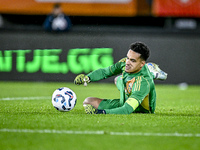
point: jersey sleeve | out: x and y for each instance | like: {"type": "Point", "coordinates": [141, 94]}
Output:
{"type": "Point", "coordinates": [125, 109]}
{"type": "Point", "coordinates": [129, 106]}
{"type": "Point", "coordinates": [104, 73]}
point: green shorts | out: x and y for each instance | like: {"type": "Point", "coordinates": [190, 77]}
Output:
{"type": "Point", "coordinates": [114, 103]}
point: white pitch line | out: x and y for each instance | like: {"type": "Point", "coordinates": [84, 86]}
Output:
{"type": "Point", "coordinates": [102, 133]}
{"type": "Point", "coordinates": [24, 98]}
{"type": "Point", "coordinates": [156, 134]}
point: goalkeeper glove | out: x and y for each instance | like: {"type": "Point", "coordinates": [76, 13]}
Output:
{"type": "Point", "coordinates": [89, 109]}
{"type": "Point", "coordinates": [82, 79]}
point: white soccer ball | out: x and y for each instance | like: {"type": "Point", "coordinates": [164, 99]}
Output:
{"type": "Point", "coordinates": [64, 99]}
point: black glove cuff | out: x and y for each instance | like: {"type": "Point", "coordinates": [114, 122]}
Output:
{"type": "Point", "coordinates": [101, 112]}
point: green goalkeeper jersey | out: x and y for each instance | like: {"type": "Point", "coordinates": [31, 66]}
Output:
{"type": "Point", "coordinates": [136, 89]}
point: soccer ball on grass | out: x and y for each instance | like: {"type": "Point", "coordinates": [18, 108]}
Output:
{"type": "Point", "coordinates": [64, 99]}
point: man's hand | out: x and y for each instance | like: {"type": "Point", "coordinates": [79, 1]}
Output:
{"type": "Point", "coordinates": [89, 109]}
{"type": "Point", "coordinates": [82, 79]}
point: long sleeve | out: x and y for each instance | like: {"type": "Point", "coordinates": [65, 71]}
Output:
{"type": "Point", "coordinates": [128, 107]}
{"type": "Point", "coordinates": [104, 73]}
{"type": "Point", "coordinates": [125, 109]}
{"type": "Point", "coordinates": [100, 74]}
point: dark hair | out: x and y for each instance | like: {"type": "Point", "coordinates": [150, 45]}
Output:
{"type": "Point", "coordinates": [142, 49]}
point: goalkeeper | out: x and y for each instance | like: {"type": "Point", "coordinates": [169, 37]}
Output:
{"type": "Point", "coordinates": [136, 85]}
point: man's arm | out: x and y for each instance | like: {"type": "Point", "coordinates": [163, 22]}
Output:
{"type": "Point", "coordinates": [129, 106]}
{"type": "Point", "coordinates": [102, 73]}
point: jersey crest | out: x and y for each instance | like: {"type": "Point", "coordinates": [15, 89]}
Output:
{"type": "Point", "coordinates": [129, 85]}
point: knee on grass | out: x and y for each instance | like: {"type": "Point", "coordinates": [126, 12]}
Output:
{"type": "Point", "coordinates": [92, 101]}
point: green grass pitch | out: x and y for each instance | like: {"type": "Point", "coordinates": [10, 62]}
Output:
{"type": "Point", "coordinates": [28, 121]}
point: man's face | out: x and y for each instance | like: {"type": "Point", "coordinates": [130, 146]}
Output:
{"type": "Point", "coordinates": [133, 62]}
{"type": "Point", "coordinates": [57, 11]}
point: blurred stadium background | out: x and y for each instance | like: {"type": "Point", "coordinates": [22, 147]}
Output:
{"type": "Point", "coordinates": [101, 34]}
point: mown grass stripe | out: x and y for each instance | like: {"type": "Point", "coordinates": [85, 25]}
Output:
{"type": "Point", "coordinates": [102, 133]}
